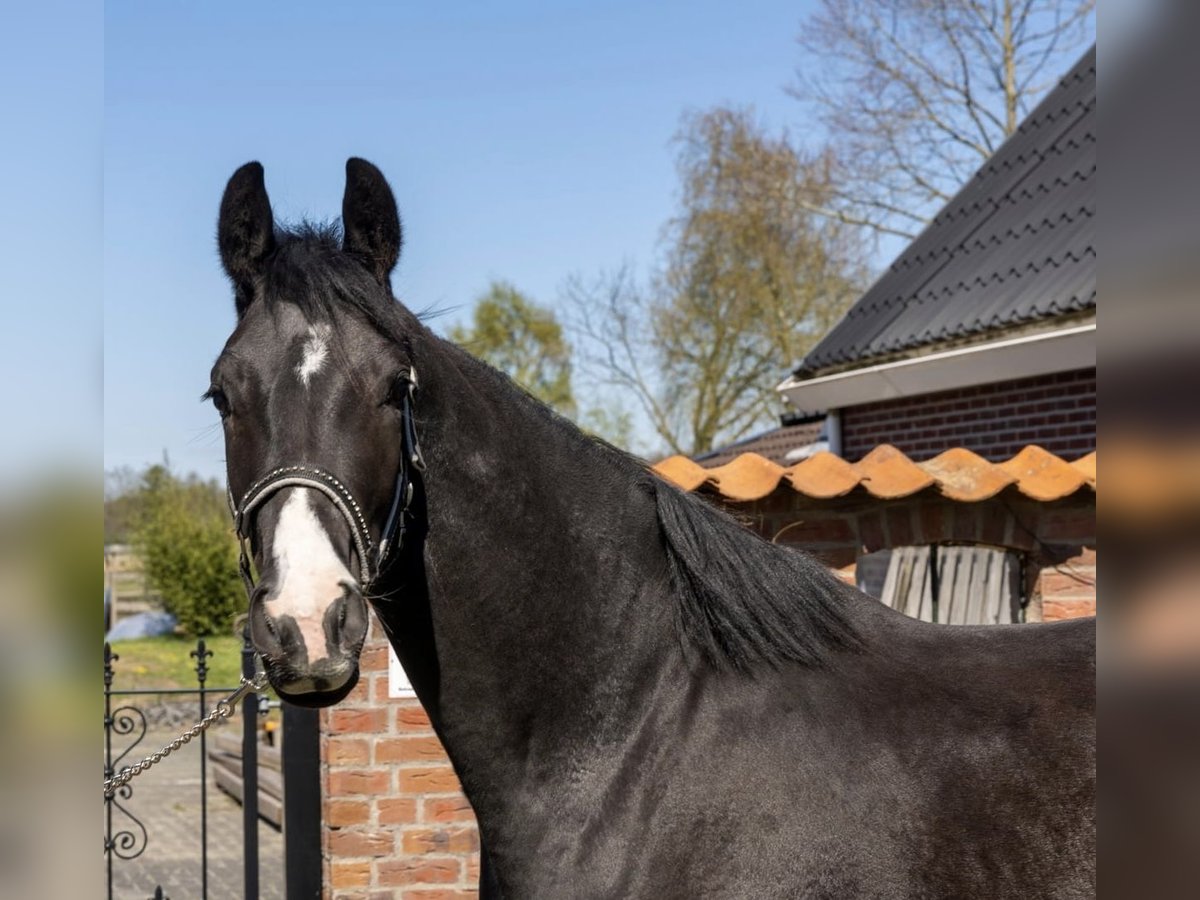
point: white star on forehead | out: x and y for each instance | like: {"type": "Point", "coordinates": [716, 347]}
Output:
{"type": "Point", "coordinates": [316, 349]}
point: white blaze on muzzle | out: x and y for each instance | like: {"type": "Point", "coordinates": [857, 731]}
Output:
{"type": "Point", "coordinates": [310, 575]}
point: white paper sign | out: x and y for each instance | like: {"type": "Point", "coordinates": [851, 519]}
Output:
{"type": "Point", "coordinates": [398, 683]}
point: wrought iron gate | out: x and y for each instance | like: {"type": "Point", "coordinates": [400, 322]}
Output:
{"type": "Point", "coordinates": [125, 836]}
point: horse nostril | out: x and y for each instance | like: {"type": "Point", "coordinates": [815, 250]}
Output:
{"type": "Point", "coordinates": [346, 622]}
{"type": "Point", "coordinates": [264, 631]}
{"type": "Point", "coordinates": [258, 610]}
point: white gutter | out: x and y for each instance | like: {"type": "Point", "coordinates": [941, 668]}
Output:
{"type": "Point", "coordinates": [1062, 350]}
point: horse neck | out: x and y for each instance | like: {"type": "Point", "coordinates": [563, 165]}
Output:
{"type": "Point", "coordinates": [547, 584]}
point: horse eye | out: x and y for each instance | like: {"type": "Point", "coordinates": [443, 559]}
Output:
{"type": "Point", "coordinates": [396, 390]}
{"type": "Point", "coordinates": [219, 401]}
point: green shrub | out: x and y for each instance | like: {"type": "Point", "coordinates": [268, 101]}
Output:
{"type": "Point", "coordinates": [185, 538]}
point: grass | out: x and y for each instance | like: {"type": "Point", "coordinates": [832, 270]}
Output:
{"type": "Point", "coordinates": [165, 662]}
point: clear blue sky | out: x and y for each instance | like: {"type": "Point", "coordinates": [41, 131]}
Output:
{"type": "Point", "coordinates": [51, 357]}
{"type": "Point", "coordinates": [524, 140]}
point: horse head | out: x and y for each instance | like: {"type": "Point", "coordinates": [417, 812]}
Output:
{"type": "Point", "coordinates": [317, 405]}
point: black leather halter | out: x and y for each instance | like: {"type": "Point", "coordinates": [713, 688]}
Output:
{"type": "Point", "coordinates": [373, 559]}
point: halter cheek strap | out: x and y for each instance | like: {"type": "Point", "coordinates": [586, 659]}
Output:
{"type": "Point", "coordinates": [392, 536]}
{"type": "Point", "coordinates": [372, 559]}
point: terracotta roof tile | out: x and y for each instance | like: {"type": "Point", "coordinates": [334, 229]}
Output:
{"type": "Point", "coordinates": [1087, 468]}
{"type": "Point", "coordinates": [823, 475]}
{"type": "Point", "coordinates": [748, 477]}
{"type": "Point", "coordinates": [1043, 476]}
{"type": "Point", "coordinates": [888, 474]}
{"type": "Point", "coordinates": [681, 471]}
{"type": "Point", "coordinates": [962, 475]}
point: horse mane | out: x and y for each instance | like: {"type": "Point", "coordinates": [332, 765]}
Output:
{"type": "Point", "coordinates": [309, 270]}
{"type": "Point", "coordinates": [745, 602]}
{"type": "Point", "coordinates": [740, 600]}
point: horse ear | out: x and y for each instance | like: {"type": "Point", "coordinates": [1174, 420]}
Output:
{"type": "Point", "coordinates": [370, 221]}
{"type": "Point", "coordinates": [245, 231]}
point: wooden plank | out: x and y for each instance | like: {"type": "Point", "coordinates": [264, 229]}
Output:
{"type": "Point", "coordinates": [271, 757]}
{"type": "Point", "coordinates": [269, 782]}
{"type": "Point", "coordinates": [981, 564]}
{"type": "Point", "coordinates": [948, 573]}
{"type": "Point", "coordinates": [269, 808]}
{"type": "Point", "coordinates": [993, 588]}
{"type": "Point", "coordinates": [888, 595]}
{"type": "Point", "coordinates": [977, 585]}
{"type": "Point", "coordinates": [981, 585]}
{"type": "Point", "coordinates": [916, 601]}
{"type": "Point", "coordinates": [917, 565]}
{"type": "Point", "coordinates": [972, 563]}
{"type": "Point", "coordinates": [914, 580]}
{"type": "Point", "coordinates": [947, 567]}
{"type": "Point", "coordinates": [923, 584]}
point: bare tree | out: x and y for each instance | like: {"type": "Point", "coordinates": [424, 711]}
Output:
{"type": "Point", "coordinates": [916, 94]}
{"type": "Point", "coordinates": [609, 320]}
{"type": "Point", "coordinates": [749, 282]}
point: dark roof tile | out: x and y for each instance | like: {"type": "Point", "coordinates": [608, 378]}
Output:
{"type": "Point", "coordinates": [1015, 246]}
{"type": "Point", "coordinates": [773, 445]}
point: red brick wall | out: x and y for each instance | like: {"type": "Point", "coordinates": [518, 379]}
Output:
{"type": "Point", "coordinates": [1056, 412]}
{"type": "Point", "coordinates": [396, 824]}
{"type": "Point", "coordinates": [1067, 590]}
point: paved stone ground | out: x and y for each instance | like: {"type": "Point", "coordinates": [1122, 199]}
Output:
{"type": "Point", "coordinates": [167, 801]}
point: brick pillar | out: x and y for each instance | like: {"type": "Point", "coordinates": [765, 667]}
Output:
{"type": "Point", "coordinates": [1068, 590]}
{"type": "Point", "coordinates": [396, 824]}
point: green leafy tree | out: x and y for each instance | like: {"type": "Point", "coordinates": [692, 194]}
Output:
{"type": "Point", "coordinates": [523, 340]}
{"type": "Point", "coordinates": [121, 499]}
{"type": "Point", "coordinates": [184, 536]}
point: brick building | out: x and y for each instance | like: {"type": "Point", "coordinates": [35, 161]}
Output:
{"type": "Point", "coordinates": [942, 453]}
{"type": "Point", "coordinates": [943, 437]}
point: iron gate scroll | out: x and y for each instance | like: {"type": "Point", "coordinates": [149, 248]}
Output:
{"type": "Point", "coordinates": [126, 724]}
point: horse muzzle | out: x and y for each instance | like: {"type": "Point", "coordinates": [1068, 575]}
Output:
{"type": "Point", "coordinates": [311, 661]}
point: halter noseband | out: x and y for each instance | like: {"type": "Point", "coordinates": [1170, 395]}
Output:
{"type": "Point", "coordinates": [372, 559]}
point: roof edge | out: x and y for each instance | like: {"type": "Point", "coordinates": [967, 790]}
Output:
{"type": "Point", "coordinates": [1040, 353]}
{"type": "Point", "coordinates": [1036, 326]}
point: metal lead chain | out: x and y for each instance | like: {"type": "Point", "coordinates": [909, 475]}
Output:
{"type": "Point", "coordinates": [223, 710]}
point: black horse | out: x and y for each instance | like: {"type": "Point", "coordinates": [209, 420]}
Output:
{"type": "Point", "coordinates": [641, 698]}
